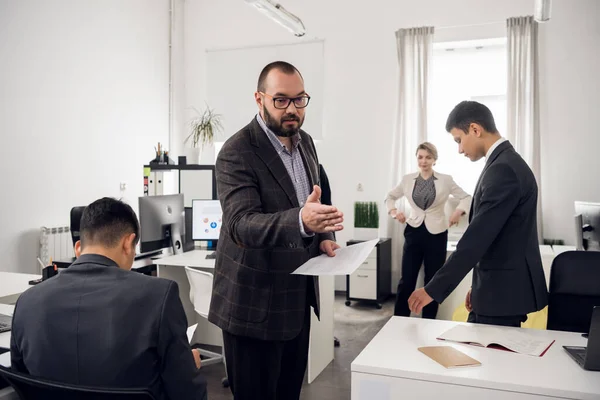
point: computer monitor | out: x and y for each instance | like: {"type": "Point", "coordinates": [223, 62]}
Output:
{"type": "Point", "coordinates": [207, 220]}
{"type": "Point", "coordinates": [587, 226]}
{"type": "Point", "coordinates": [162, 223]}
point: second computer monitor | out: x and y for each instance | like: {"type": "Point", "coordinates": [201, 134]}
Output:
{"type": "Point", "coordinates": [207, 220]}
{"type": "Point", "coordinates": [587, 225]}
{"type": "Point", "coordinates": [162, 223]}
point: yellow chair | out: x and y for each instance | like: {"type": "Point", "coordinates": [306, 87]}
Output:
{"type": "Point", "coordinates": [535, 320]}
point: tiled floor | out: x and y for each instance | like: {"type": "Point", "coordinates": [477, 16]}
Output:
{"type": "Point", "coordinates": [355, 326]}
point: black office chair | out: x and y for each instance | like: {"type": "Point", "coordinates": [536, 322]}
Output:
{"type": "Point", "coordinates": [574, 291]}
{"type": "Point", "coordinates": [28, 388]}
{"type": "Point", "coordinates": [76, 213]}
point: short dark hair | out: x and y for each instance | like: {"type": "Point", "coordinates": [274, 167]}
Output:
{"type": "Point", "coordinates": [468, 112]}
{"type": "Point", "coordinates": [106, 221]}
{"type": "Point", "coordinates": [282, 66]}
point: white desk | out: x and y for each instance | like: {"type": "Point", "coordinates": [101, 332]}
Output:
{"type": "Point", "coordinates": [321, 332]}
{"type": "Point", "coordinates": [12, 284]}
{"type": "Point", "coordinates": [391, 367]}
{"type": "Point", "coordinates": [172, 267]}
{"type": "Point", "coordinates": [558, 249]}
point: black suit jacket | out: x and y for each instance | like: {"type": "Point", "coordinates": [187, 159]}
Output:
{"type": "Point", "coordinates": [501, 242]}
{"type": "Point", "coordinates": [97, 325]}
{"type": "Point", "coordinates": [254, 293]}
{"type": "Point", "coordinates": [325, 188]}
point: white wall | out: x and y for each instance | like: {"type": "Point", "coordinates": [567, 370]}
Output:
{"type": "Point", "coordinates": [84, 98]}
{"type": "Point", "coordinates": [570, 104]}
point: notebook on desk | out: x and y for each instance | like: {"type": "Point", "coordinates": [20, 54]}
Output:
{"type": "Point", "coordinates": [515, 340]}
{"type": "Point", "coordinates": [449, 357]}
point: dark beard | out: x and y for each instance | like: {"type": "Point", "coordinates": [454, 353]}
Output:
{"type": "Point", "coordinates": [277, 126]}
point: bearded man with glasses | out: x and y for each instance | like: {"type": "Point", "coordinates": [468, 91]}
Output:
{"type": "Point", "coordinates": [273, 222]}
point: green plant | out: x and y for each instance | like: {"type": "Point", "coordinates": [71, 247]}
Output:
{"type": "Point", "coordinates": [366, 215]}
{"type": "Point", "coordinates": [204, 127]}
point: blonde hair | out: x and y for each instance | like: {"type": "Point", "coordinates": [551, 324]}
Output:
{"type": "Point", "coordinates": [430, 148]}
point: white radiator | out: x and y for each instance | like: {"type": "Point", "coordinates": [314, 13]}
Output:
{"type": "Point", "coordinates": [55, 244]}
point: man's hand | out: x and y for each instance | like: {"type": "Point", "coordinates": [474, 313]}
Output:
{"type": "Point", "coordinates": [468, 305]}
{"type": "Point", "coordinates": [455, 217]}
{"type": "Point", "coordinates": [418, 299]}
{"type": "Point", "coordinates": [328, 247]}
{"type": "Point", "coordinates": [196, 354]}
{"type": "Point", "coordinates": [319, 218]}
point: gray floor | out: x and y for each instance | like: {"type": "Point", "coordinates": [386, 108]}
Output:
{"type": "Point", "coordinates": [354, 326]}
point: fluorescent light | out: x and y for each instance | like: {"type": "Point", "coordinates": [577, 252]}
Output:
{"type": "Point", "coordinates": [277, 13]}
{"type": "Point", "coordinates": [541, 12]}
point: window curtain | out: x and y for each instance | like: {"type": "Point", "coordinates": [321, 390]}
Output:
{"type": "Point", "coordinates": [415, 48]}
{"type": "Point", "coordinates": [522, 103]}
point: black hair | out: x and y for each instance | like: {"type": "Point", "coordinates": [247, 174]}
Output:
{"type": "Point", "coordinates": [282, 66]}
{"type": "Point", "coordinates": [468, 112]}
{"type": "Point", "coordinates": [106, 221]}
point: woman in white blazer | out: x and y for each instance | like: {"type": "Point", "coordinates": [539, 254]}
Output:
{"type": "Point", "coordinates": [426, 232]}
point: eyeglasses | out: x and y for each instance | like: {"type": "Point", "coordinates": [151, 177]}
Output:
{"type": "Point", "coordinates": [282, 103]}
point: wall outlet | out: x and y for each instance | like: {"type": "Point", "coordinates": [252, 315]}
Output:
{"type": "Point", "coordinates": [359, 187]}
{"type": "Point", "coordinates": [123, 186]}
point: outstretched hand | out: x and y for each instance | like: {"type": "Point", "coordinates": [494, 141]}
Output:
{"type": "Point", "coordinates": [319, 218]}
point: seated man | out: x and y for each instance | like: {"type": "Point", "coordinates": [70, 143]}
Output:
{"type": "Point", "coordinates": [98, 324]}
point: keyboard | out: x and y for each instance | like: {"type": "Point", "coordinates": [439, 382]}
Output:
{"type": "Point", "coordinates": [577, 353]}
{"type": "Point", "coordinates": [5, 323]}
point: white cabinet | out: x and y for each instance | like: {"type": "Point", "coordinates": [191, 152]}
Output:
{"type": "Point", "coordinates": [371, 281]}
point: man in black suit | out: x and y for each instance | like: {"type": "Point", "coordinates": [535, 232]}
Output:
{"type": "Point", "coordinates": [99, 324]}
{"type": "Point", "coordinates": [267, 182]}
{"type": "Point", "coordinates": [501, 242]}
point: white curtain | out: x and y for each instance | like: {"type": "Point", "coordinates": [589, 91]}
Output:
{"type": "Point", "coordinates": [414, 47]}
{"type": "Point", "coordinates": [523, 111]}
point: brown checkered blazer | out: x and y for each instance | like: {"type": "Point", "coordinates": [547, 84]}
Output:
{"type": "Point", "coordinates": [254, 293]}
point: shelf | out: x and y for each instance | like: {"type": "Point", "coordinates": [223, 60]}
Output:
{"type": "Point", "coordinates": [176, 167]}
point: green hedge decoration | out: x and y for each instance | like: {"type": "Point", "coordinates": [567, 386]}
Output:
{"type": "Point", "coordinates": [366, 214]}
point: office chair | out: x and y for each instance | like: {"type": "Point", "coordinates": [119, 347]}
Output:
{"type": "Point", "coordinates": [200, 296]}
{"type": "Point", "coordinates": [574, 291]}
{"type": "Point", "coordinates": [76, 213]}
{"type": "Point", "coordinates": [28, 387]}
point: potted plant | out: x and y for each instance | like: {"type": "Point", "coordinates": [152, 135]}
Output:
{"type": "Point", "coordinates": [203, 129]}
{"type": "Point", "coordinates": [366, 220]}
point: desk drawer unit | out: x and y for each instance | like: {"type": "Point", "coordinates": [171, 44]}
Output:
{"type": "Point", "coordinates": [372, 280]}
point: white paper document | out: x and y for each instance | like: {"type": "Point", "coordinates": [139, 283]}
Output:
{"type": "Point", "coordinates": [345, 262]}
{"type": "Point", "coordinates": [518, 340]}
{"type": "Point", "coordinates": [190, 332]}
{"type": "Point", "coordinates": [5, 359]}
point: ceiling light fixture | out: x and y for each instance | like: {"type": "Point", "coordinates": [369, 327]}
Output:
{"type": "Point", "coordinates": [277, 13]}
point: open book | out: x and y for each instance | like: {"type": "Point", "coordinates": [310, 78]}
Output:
{"type": "Point", "coordinates": [517, 340]}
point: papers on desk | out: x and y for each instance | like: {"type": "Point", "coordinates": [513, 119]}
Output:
{"type": "Point", "coordinates": [5, 359]}
{"type": "Point", "coordinates": [516, 340]}
{"type": "Point", "coordinates": [190, 332]}
{"type": "Point", "coordinates": [345, 262]}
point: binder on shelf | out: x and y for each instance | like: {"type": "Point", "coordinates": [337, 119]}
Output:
{"type": "Point", "coordinates": [146, 181]}
{"type": "Point", "coordinates": [159, 186]}
{"type": "Point", "coordinates": [152, 184]}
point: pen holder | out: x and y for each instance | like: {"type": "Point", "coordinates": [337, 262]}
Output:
{"type": "Point", "coordinates": [48, 272]}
